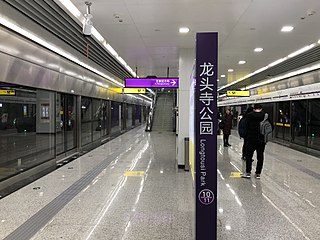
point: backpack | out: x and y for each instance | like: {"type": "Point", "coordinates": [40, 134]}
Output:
{"type": "Point", "coordinates": [242, 127]}
{"type": "Point", "coordinates": [265, 129]}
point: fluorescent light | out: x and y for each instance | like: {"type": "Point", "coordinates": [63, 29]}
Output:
{"type": "Point", "coordinates": [71, 8]}
{"type": "Point", "coordinates": [242, 62]}
{"type": "Point", "coordinates": [287, 75]}
{"type": "Point", "coordinates": [128, 68]}
{"type": "Point", "coordinates": [53, 48]}
{"type": "Point", "coordinates": [277, 61]}
{"type": "Point", "coordinates": [223, 76]}
{"type": "Point", "coordinates": [110, 49]}
{"type": "Point", "coordinates": [260, 70]}
{"type": "Point", "coordinates": [258, 49]}
{"type": "Point", "coordinates": [218, 80]}
{"type": "Point", "coordinates": [184, 30]}
{"type": "Point", "coordinates": [230, 70]}
{"type": "Point", "coordinates": [287, 29]}
{"type": "Point", "coordinates": [123, 62]}
{"type": "Point", "coordinates": [319, 41]}
{"type": "Point", "coordinates": [304, 49]}
{"type": "Point", "coordinates": [97, 35]}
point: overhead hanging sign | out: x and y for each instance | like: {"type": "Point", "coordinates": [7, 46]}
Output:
{"type": "Point", "coordinates": [233, 93]}
{"type": "Point", "coordinates": [4, 92]}
{"type": "Point", "coordinates": [117, 90]}
{"type": "Point", "coordinates": [129, 90]}
{"type": "Point", "coordinates": [206, 135]}
{"type": "Point", "coordinates": [152, 82]}
{"type": "Point", "coordinates": [134, 90]}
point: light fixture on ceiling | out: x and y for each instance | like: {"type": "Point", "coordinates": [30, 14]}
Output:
{"type": "Point", "coordinates": [242, 62]}
{"type": "Point", "coordinates": [258, 49]}
{"type": "Point", "coordinates": [230, 70]}
{"type": "Point", "coordinates": [53, 48]}
{"type": "Point", "coordinates": [86, 27]}
{"type": "Point", "coordinates": [277, 62]}
{"type": "Point", "coordinates": [287, 29]}
{"type": "Point", "coordinates": [71, 7]}
{"type": "Point", "coordinates": [304, 49]}
{"type": "Point", "coordinates": [218, 80]}
{"type": "Point", "coordinates": [223, 76]}
{"type": "Point", "coordinates": [184, 30]}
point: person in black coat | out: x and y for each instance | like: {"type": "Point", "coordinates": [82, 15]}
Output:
{"type": "Point", "coordinates": [227, 126]}
{"type": "Point", "coordinates": [254, 142]}
{"type": "Point", "coordinates": [245, 114]}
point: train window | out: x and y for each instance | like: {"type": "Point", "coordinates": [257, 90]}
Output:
{"type": "Point", "coordinates": [97, 117]}
{"type": "Point", "coordinates": [86, 123]}
{"type": "Point", "coordinates": [314, 124]}
{"type": "Point", "coordinates": [115, 117]}
{"type": "Point", "coordinates": [298, 122]}
{"type": "Point", "coordinates": [26, 133]}
{"type": "Point", "coordinates": [282, 124]}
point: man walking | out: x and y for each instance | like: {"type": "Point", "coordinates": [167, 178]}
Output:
{"type": "Point", "coordinates": [254, 141]}
{"type": "Point", "coordinates": [242, 129]}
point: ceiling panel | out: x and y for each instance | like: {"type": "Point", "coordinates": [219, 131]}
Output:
{"type": "Point", "coordinates": [148, 37]}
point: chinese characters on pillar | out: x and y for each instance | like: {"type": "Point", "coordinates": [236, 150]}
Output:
{"type": "Point", "coordinates": [206, 97]}
{"type": "Point", "coordinates": [206, 135]}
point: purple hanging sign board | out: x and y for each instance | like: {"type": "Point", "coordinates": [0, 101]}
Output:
{"type": "Point", "coordinates": [152, 82]}
{"type": "Point", "coordinates": [206, 135]}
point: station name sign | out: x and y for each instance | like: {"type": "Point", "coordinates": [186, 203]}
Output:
{"type": "Point", "coordinates": [206, 113]}
{"type": "Point", "coordinates": [152, 82]}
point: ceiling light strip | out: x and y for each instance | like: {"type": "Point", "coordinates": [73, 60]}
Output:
{"type": "Point", "coordinates": [75, 12]}
{"type": "Point", "coordinates": [302, 50]}
{"type": "Point", "coordinates": [287, 75]}
{"type": "Point", "coordinates": [53, 48]}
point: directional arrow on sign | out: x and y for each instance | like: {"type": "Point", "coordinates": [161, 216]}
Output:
{"type": "Point", "coordinates": [173, 82]}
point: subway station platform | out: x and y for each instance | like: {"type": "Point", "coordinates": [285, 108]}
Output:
{"type": "Point", "coordinates": [131, 188]}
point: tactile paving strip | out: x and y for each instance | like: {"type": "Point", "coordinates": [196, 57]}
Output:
{"type": "Point", "coordinates": [42, 217]}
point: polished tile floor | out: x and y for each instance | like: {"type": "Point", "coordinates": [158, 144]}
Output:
{"type": "Point", "coordinates": [283, 204]}
{"type": "Point", "coordinates": [130, 188]}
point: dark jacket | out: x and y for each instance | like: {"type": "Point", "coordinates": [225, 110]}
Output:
{"type": "Point", "coordinates": [254, 119]}
{"type": "Point", "coordinates": [227, 120]}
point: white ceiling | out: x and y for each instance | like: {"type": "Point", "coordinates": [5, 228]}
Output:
{"type": "Point", "coordinates": [148, 38]}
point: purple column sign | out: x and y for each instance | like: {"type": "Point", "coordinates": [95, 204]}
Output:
{"type": "Point", "coordinates": [206, 135]}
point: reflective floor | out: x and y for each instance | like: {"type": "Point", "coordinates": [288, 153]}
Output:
{"type": "Point", "coordinates": [130, 188]}
{"type": "Point", "coordinates": [283, 204]}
